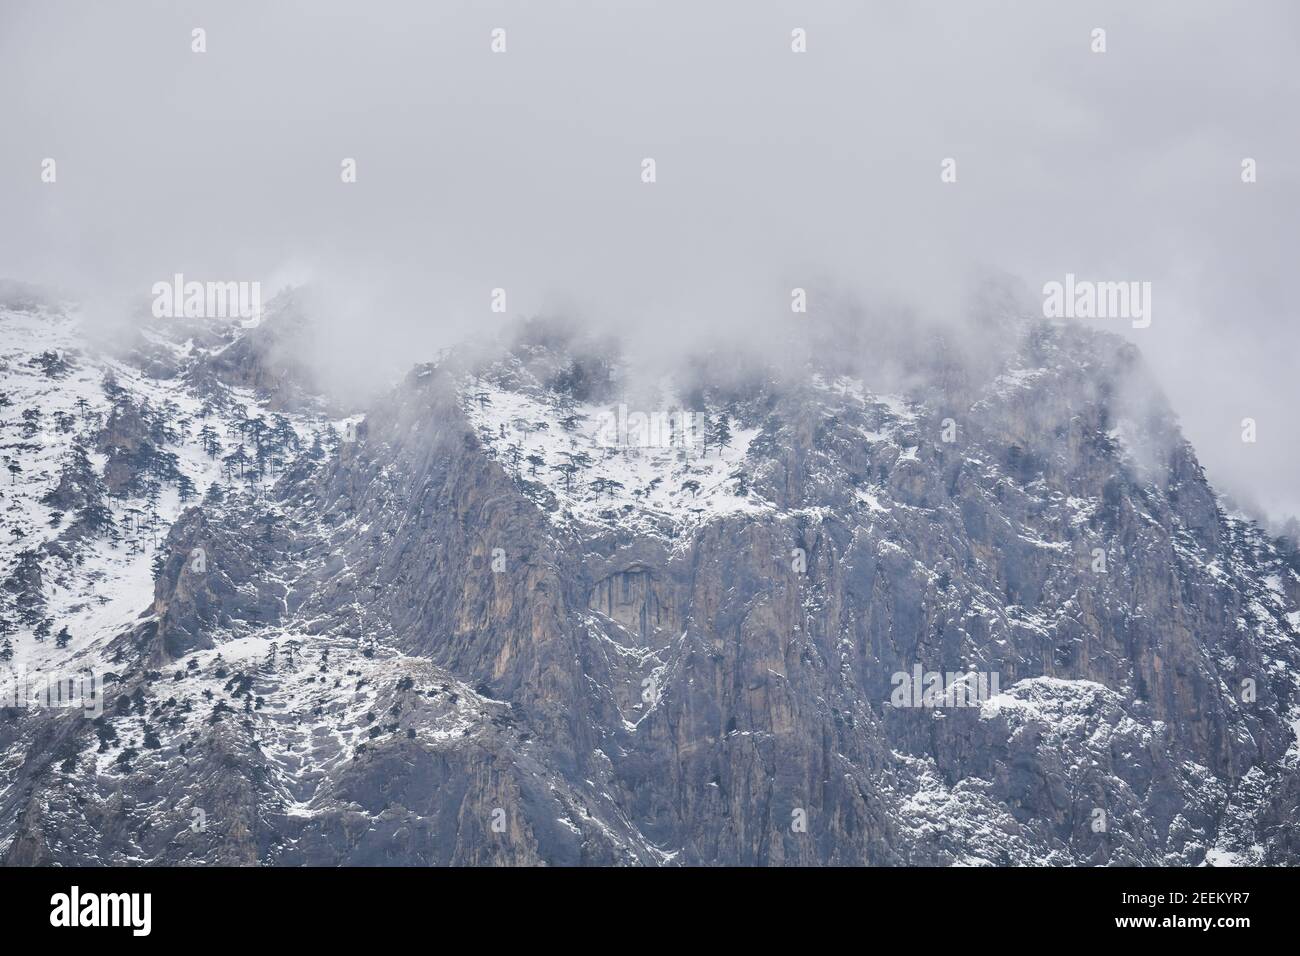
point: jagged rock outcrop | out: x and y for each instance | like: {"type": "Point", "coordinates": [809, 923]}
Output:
{"type": "Point", "coordinates": [472, 630]}
{"type": "Point", "coordinates": [270, 358]}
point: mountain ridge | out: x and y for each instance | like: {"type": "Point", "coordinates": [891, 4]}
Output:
{"type": "Point", "coordinates": [411, 644]}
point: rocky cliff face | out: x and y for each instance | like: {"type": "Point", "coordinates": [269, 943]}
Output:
{"type": "Point", "coordinates": [1000, 619]}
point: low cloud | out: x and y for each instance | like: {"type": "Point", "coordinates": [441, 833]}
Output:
{"type": "Point", "coordinates": [774, 171]}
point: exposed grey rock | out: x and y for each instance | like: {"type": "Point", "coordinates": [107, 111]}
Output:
{"type": "Point", "coordinates": [420, 653]}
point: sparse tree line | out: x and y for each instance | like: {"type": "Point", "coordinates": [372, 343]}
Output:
{"type": "Point", "coordinates": [134, 434]}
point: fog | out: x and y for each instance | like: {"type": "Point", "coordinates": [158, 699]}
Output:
{"type": "Point", "coordinates": [522, 171]}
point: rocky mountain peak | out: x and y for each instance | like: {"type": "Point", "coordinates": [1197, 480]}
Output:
{"type": "Point", "coordinates": [549, 604]}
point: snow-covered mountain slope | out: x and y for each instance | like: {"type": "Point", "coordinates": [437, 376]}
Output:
{"type": "Point", "coordinates": [581, 460]}
{"type": "Point", "coordinates": [90, 439]}
{"type": "Point", "coordinates": [531, 609]}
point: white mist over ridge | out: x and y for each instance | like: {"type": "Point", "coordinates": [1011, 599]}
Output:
{"type": "Point", "coordinates": [775, 170]}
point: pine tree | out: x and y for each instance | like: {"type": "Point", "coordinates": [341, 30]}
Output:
{"type": "Point", "coordinates": [575, 462]}
{"type": "Point", "coordinates": [112, 391]}
{"type": "Point", "coordinates": [568, 470]}
{"type": "Point", "coordinates": [256, 428]}
{"type": "Point", "coordinates": [97, 518]}
{"type": "Point", "coordinates": [604, 485]}
{"type": "Point", "coordinates": [236, 459]}
{"type": "Point", "coordinates": [31, 422]}
{"type": "Point", "coordinates": [209, 440]}
{"type": "Point", "coordinates": [720, 433]}
{"type": "Point", "coordinates": [283, 435]}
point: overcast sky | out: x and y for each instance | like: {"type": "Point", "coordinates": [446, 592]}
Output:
{"type": "Point", "coordinates": [522, 170]}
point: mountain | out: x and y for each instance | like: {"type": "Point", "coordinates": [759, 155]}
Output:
{"type": "Point", "coordinates": [912, 601]}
